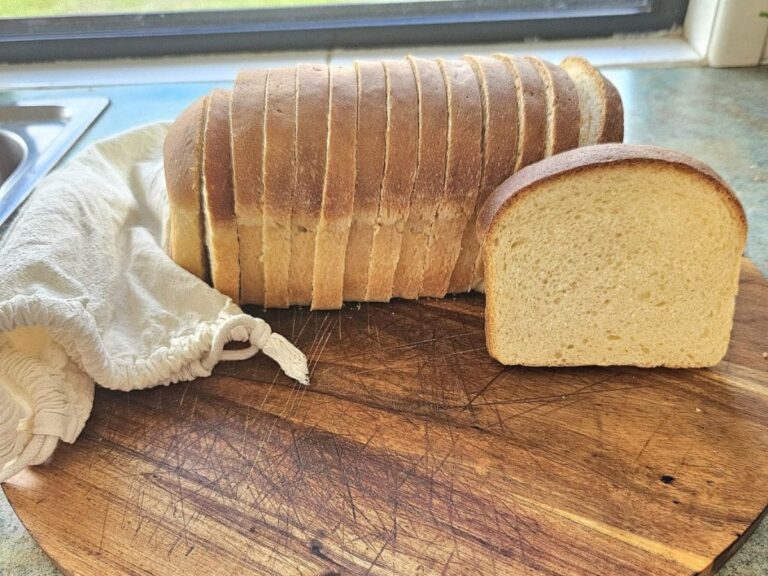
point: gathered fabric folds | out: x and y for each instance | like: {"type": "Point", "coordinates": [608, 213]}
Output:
{"type": "Point", "coordinates": [89, 296]}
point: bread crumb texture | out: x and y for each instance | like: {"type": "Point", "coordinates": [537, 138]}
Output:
{"type": "Point", "coordinates": [621, 264]}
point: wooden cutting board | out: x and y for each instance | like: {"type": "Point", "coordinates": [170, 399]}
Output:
{"type": "Point", "coordinates": [413, 452]}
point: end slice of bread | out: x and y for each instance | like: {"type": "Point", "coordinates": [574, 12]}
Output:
{"type": "Point", "coordinates": [183, 157]}
{"type": "Point", "coordinates": [611, 255]}
{"type": "Point", "coordinates": [602, 113]}
{"type": "Point", "coordinates": [218, 198]}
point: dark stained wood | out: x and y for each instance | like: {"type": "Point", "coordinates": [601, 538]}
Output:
{"type": "Point", "coordinates": [413, 452]}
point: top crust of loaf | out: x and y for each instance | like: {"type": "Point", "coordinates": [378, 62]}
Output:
{"type": "Point", "coordinates": [587, 158]}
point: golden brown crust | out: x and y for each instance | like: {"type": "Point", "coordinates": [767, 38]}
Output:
{"type": "Point", "coordinates": [430, 176]}
{"type": "Point", "coordinates": [531, 110]}
{"type": "Point", "coordinates": [311, 139]}
{"type": "Point", "coordinates": [611, 121]}
{"type": "Point", "coordinates": [613, 127]}
{"type": "Point", "coordinates": [371, 151]}
{"type": "Point", "coordinates": [565, 107]}
{"type": "Point", "coordinates": [218, 198]}
{"type": "Point", "coordinates": [587, 158]}
{"type": "Point", "coordinates": [338, 192]}
{"type": "Point", "coordinates": [462, 179]}
{"type": "Point", "coordinates": [402, 143]}
{"type": "Point", "coordinates": [182, 154]}
{"type": "Point", "coordinates": [279, 183]}
{"type": "Point", "coordinates": [217, 161]}
{"type": "Point", "coordinates": [247, 121]}
{"type": "Point", "coordinates": [499, 147]}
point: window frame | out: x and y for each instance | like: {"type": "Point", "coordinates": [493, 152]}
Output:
{"type": "Point", "coordinates": [323, 27]}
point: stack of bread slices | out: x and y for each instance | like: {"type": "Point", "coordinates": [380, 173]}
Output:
{"type": "Point", "coordinates": [315, 185]}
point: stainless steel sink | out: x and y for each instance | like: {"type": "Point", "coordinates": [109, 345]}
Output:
{"type": "Point", "coordinates": [34, 136]}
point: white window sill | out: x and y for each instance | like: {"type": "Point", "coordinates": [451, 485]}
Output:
{"type": "Point", "coordinates": [630, 51]}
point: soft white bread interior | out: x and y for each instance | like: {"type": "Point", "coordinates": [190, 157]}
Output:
{"type": "Point", "coordinates": [611, 255]}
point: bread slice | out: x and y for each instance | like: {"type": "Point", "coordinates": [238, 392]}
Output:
{"type": "Point", "coordinates": [562, 107]}
{"type": "Point", "coordinates": [612, 255]}
{"type": "Point", "coordinates": [183, 158]}
{"type": "Point", "coordinates": [279, 183]}
{"type": "Point", "coordinates": [499, 146]}
{"type": "Point", "coordinates": [311, 142]}
{"type": "Point", "coordinates": [430, 176]}
{"type": "Point", "coordinates": [602, 113]}
{"type": "Point", "coordinates": [371, 151]}
{"type": "Point", "coordinates": [402, 143]}
{"type": "Point", "coordinates": [462, 176]}
{"type": "Point", "coordinates": [247, 122]}
{"type": "Point", "coordinates": [218, 198]}
{"type": "Point", "coordinates": [531, 110]}
{"type": "Point", "coordinates": [338, 192]}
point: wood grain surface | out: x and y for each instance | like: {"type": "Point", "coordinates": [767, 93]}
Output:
{"type": "Point", "coordinates": [412, 452]}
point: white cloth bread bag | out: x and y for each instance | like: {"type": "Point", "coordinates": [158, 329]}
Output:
{"type": "Point", "coordinates": [88, 295]}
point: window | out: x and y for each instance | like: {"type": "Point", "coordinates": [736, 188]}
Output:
{"type": "Point", "coordinates": [49, 30]}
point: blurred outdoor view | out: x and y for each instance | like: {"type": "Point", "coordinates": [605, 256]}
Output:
{"type": "Point", "coordinates": [41, 8]}
{"type": "Point", "coordinates": [35, 8]}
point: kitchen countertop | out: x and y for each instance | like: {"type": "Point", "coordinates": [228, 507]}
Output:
{"type": "Point", "coordinates": [718, 116]}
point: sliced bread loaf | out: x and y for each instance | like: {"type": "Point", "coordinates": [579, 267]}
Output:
{"type": "Point", "coordinates": [531, 110]}
{"type": "Point", "coordinates": [462, 176]}
{"type": "Point", "coordinates": [218, 198]}
{"type": "Point", "coordinates": [430, 177]}
{"type": "Point", "coordinates": [602, 113]}
{"type": "Point", "coordinates": [562, 107]}
{"type": "Point", "coordinates": [402, 141]}
{"type": "Point", "coordinates": [183, 153]}
{"type": "Point", "coordinates": [371, 151]}
{"type": "Point", "coordinates": [311, 141]}
{"type": "Point", "coordinates": [279, 183]}
{"type": "Point", "coordinates": [499, 146]}
{"type": "Point", "coordinates": [247, 121]}
{"type": "Point", "coordinates": [609, 255]}
{"type": "Point", "coordinates": [338, 192]}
